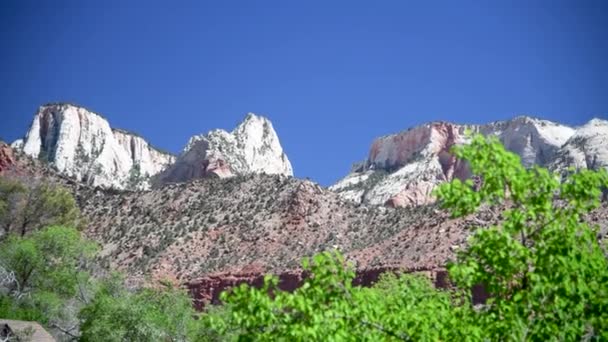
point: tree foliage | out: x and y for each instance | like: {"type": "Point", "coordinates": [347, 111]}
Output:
{"type": "Point", "coordinates": [29, 206]}
{"type": "Point", "coordinates": [41, 273]}
{"type": "Point", "coordinates": [328, 307]}
{"type": "Point", "coordinates": [117, 314]}
{"type": "Point", "coordinates": [543, 265]}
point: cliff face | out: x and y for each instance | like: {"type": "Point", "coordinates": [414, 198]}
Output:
{"type": "Point", "coordinates": [81, 144]}
{"type": "Point", "coordinates": [252, 147]}
{"type": "Point", "coordinates": [403, 169]}
{"type": "Point", "coordinates": [206, 290]}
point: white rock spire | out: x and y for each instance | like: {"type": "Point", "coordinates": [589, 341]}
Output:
{"type": "Point", "coordinates": [252, 147]}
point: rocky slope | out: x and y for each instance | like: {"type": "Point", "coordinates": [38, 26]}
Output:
{"type": "Point", "coordinates": [403, 169]}
{"type": "Point", "coordinates": [252, 147]}
{"type": "Point", "coordinates": [213, 233]}
{"type": "Point", "coordinates": [81, 144]}
{"type": "Point", "coordinates": [249, 223]}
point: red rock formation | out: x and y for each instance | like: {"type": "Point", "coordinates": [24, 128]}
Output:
{"type": "Point", "coordinates": [395, 150]}
{"type": "Point", "coordinates": [431, 142]}
{"type": "Point", "coordinates": [7, 157]}
{"type": "Point", "coordinates": [303, 201]}
{"type": "Point", "coordinates": [207, 290]}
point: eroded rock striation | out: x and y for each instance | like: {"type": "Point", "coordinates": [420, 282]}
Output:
{"type": "Point", "coordinates": [81, 144]}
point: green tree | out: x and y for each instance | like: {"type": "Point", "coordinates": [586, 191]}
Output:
{"type": "Point", "coordinates": [42, 273]}
{"type": "Point", "coordinates": [149, 314]}
{"type": "Point", "coordinates": [543, 265]}
{"type": "Point", "coordinates": [136, 179]}
{"type": "Point", "coordinates": [11, 194]}
{"type": "Point", "coordinates": [29, 206]}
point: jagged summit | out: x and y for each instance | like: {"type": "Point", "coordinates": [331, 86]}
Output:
{"type": "Point", "coordinates": [81, 144]}
{"type": "Point", "coordinates": [402, 169]}
{"type": "Point", "coordinates": [587, 148]}
{"type": "Point", "coordinates": [252, 147]}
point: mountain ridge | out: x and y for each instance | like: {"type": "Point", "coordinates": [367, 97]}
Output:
{"type": "Point", "coordinates": [403, 168]}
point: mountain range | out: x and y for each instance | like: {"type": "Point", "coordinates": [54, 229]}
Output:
{"type": "Point", "coordinates": [228, 209]}
{"type": "Point", "coordinates": [401, 169]}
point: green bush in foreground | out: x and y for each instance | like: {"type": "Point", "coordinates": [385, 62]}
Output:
{"type": "Point", "coordinates": [41, 274]}
{"type": "Point", "coordinates": [116, 314]}
{"type": "Point", "coordinates": [543, 266]}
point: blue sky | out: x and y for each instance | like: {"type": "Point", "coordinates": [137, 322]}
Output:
{"type": "Point", "coordinates": [331, 75]}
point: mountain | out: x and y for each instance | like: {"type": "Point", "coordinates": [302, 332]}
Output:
{"type": "Point", "coordinates": [251, 224]}
{"type": "Point", "coordinates": [213, 233]}
{"type": "Point", "coordinates": [402, 169]}
{"type": "Point", "coordinates": [252, 147]}
{"type": "Point", "coordinates": [81, 144]}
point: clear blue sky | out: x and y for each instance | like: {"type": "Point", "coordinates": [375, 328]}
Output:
{"type": "Point", "coordinates": [331, 75]}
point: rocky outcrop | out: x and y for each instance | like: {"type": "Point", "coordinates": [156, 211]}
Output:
{"type": "Point", "coordinates": [207, 290]}
{"type": "Point", "coordinates": [81, 144]}
{"type": "Point", "coordinates": [403, 169]}
{"type": "Point", "coordinates": [252, 147]}
{"type": "Point", "coordinates": [7, 157]}
{"type": "Point", "coordinates": [586, 149]}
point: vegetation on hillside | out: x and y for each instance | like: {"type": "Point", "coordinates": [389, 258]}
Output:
{"type": "Point", "coordinates": [544, 267]}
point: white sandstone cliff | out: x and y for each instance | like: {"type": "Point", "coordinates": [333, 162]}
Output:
{"type": "Point", "coordinates": [81, 144]}
{"type": "Point", "coordinates": [587, 148]}
{"type": "Point", "coordinates": [252, 147]}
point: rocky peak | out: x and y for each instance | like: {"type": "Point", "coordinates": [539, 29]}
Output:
{"type": "Point", "coordinates": [81, 144]}
{"type": "Point", "coordinates": [396, 150]}
{"type": "Point", "coordinates": [587, 148]}
{"type": "Point", "coordinates": [536, 141]}
{"type": "Point", "coordinates": [402, 169]}
{"type": "Point", "coordinates": [252, 147]}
